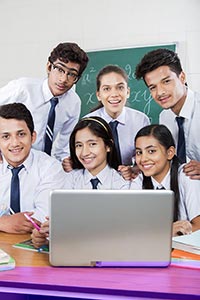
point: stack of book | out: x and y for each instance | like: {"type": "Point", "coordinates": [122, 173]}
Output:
{"type": "Point", "coordinates": [6, 261]}
{"type": "Point", "coordinates": [186, 251]}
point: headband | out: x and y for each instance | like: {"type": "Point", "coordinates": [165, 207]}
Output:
{"type": "Point", "coordinates": [92, 119]}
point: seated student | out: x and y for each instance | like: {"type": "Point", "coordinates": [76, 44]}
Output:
{"type": "Point", "coordinates": [112, 93]}
{"type": "Point", "coordinates": [155, 157]}
{"type": "Point", "coordinates": [26, 175]}
{"type": "Point", "coordinates": [94, 160]}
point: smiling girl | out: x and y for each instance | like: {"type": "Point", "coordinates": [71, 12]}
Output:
{"type": "Point", "coordinates": [155, 157]}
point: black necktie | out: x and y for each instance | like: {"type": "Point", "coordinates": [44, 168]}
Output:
{"type": "Point", "coordinates": [181, 152]}
{"type": "Point", "coordinates": [160, 188]}
{"type": "Point", "coordinates": [15, 189]}
{"type": "Point", "coordinates": [50, 125]}
{"type": "Point", "coordinates": [94, 183]}
{"type": "Point", "coordinates": [113, 126]}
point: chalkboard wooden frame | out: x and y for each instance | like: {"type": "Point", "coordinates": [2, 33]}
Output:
{"type": "Point", "coordinates": [127, 58]}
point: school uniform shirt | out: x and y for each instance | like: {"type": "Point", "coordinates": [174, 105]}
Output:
{"type": "Point", "coordinates": [130, 121]}
{"type": "Point", "coordinates": [189, 206]}
{"type": "Point", "coordinates": [36, 95]}
{"type": "Point", "coordinates": [109, 179]}
{"type": "Point", "coordinates": [41, 174]}
{"type": "Point", "coordinates": [191, 112]}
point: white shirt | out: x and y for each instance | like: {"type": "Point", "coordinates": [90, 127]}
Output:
{"type": "Point", "coordinates": [109, 179]}
{"type": "Point", "coordinates": [191, 112]}
{"type": "Point", "coordinates": [130, 121]}
{"type": "Point", "coordinates": [36, 95]}
{"type": "Point", "coordinates": [189, 206]}
{"type": "Point", "coordinates": [41, 173]}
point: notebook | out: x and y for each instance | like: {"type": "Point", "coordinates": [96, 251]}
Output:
{"type": "Point", "coordinates": [111, 228]}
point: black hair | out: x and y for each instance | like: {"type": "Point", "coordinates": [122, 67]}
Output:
{"type": "Point", "coordinates": [17, 111]}
{"type": "Point", "coordinates": [157, 58]}
{"type": "Point", "coordinates": [101, 129]}
{"type": "Point", "coordinates": [106, 70]}
{"type": "Point", "coordinates": [70, 52]}
{"type": "Point", "coordinates": [163, 135]}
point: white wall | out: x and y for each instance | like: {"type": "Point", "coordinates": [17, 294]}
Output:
{"type": "Point", "coordinates": [30, 29]}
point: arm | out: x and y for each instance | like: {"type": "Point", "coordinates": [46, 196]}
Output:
{"type": "Point", "coordinates": [61, 146]}
{"type": "Point", "coordinates": [181, 227]}
{"type": "Point", "coordinates": [67, 164]}
{"type": "Point", "coordinates": [192, 169]}
{"type": "Point", "coordinates": [39, 238]}
{"type": "Point", "coordinates": [129, 172]}
{"type": "Point", "coordinates": [16, 223]}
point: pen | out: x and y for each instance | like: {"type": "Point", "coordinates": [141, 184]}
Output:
{"type": "Point", "coordinates": [31, 220]}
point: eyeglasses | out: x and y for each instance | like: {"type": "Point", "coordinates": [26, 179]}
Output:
{"type": "Point", "coordinates": [71, 76]}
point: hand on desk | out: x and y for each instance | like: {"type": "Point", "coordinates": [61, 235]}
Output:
{"type": "Point", "coordinates": [16, 223]}
{"type": "Point", "coordinates": [39, 238]}
{"type": "Point", "coordinates": [182, 227]}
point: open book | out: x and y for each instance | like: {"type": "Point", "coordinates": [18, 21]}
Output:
{"type": "Point", "coordinates": [189, 242]}
{"type": "Point", "coordinates": [28, 245]}
{"type": "Point", "coordinates": [6, 261]}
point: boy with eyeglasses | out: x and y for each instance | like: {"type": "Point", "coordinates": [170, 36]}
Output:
{"type": "Point", "coordinates": [54, 104]}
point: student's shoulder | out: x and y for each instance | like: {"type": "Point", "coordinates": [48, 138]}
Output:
{"type": "Point", "coordinates": [134, 112]}
{"type": "Point", "coordinates": [98, 112]}
{"type": "Point", "coordinates": [44, 161]}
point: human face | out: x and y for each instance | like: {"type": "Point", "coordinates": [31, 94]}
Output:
{"type": "Point", "coordinates": [113, 93]}
{"type": "Point", "coordinates": [167, 89]}
{"type": "Point", "coordinates": [152, 158]}
{"type": "Point", "coordinates": [15, 140]}
{"type": "Point", "coordinates": [91, 151]}
{"type": "Point", "coordinates": [58, 78]}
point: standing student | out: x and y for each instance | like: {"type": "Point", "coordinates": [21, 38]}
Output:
{"type": "Point", "coordinates": [112, 94]}
{"type": "Point", "coordinates": [26, 175]}
{"type": "Point", "coordinates": [162, 72]}
{"type": "Point", "coordinates": [53, 102]}
{"type": "Point", "coordinates": [94, 162]}
{"type": "Point", "coordinates": [155, 157]}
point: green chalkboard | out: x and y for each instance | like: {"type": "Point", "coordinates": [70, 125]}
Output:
{"type": "Point", "coordinates": [127, 58]}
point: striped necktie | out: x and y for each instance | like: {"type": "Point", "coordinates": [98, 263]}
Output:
{"type": "Point", "coordinates": [15, 189]}
{"type": "Point", "coordinates": [50, 125]}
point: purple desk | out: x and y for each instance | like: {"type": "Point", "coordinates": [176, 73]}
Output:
{"type": "Point", "coordinates": [33, 276]}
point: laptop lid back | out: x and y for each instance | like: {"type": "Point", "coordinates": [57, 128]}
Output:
{"type": "Point", "coordinates": [111, 227]}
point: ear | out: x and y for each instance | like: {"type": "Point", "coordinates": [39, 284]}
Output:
{"type": "Point", "coordinates": [48, 67]}
{"type": "Point", "coordinates": [98, 96]}
{"type": "Point", "coordinates": [34, 136]}
{"type": "Point", "coordinates": [182, 77]}
{"type": "Point", "coordinates": [171, 152]}
{"type": "Point", "coordinates": [128, 92]}
{"type": "Point", "coordinates": [107, 149]}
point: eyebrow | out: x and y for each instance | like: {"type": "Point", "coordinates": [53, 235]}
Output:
{"type": "Point", "coordinates": [150, 146]}
{"type": "Point", "coordinates": [71, 69]}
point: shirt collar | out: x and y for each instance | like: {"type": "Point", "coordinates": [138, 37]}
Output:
{"type": "Point", "coordinates": [27, 163]}
{"type": "Point", "coordinates": [165, 182]}
{"type": "Point", "coordinates": [121, 118]}
{"type": "Point", "coordinates": [101, 175]}
{"type": "Point", "coordinates": [188, 106]}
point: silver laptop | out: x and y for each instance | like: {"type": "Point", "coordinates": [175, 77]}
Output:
{"type": "Point", "coordinates": [111, 228]}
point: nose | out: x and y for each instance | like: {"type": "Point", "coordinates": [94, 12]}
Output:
{"type": "Point", "coordinates": [14, 141]}
{"type": "Point", "coordinates": [114, 92]}
{"type": "Point", "coordinates": [160, 90]}
{"type": "Point", "coordinates": [85, 150]}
